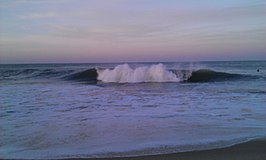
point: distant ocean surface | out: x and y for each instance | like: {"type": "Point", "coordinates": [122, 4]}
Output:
{"type": "Point", "coordinates": [112, 110]}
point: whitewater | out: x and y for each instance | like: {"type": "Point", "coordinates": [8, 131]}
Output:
{"type": "Point", "coordinates": [125, 74]}
{"type": "Point", "coordinates": [89, 110]}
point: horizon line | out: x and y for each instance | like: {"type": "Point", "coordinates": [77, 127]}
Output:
{"type": "Point", "coordinates": [129, 62]}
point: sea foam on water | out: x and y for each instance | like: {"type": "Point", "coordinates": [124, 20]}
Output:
{"type": "Point", "coordinates": [125, 74]}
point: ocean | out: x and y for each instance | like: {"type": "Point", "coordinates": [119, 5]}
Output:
{"type": "Point", "coordinates": [129, 109]}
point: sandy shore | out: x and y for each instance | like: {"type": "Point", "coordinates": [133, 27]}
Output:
{"type": "Point", "coordinates": [252, 150]}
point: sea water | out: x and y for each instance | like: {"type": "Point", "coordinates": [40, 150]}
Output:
{"type": "Point", "coordinates": [129, 109]}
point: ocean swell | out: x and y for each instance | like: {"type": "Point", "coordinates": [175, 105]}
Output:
{"type": "Point", "coordinates": [124, 73]}
{"type": "Point", "coordinates": [154, 73]}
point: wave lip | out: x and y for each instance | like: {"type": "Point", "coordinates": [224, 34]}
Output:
{"type": "Point", "coordinates": [125, 74]}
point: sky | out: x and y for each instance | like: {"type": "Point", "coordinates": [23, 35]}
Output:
{"type": "Point", "coordinates": [61, 31]}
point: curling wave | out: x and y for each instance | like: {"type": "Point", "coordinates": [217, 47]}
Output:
{"type": "Point", "coordinates": [154, 73]}
{"type": "Point", "coordinates": [126, 74]}
{"type": "Point", "coordinates": [206, 75]}
{"type": "Point", "coordinates": [89, 75]}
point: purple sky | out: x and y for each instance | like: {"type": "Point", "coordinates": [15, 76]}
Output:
{"type": "Point", "coordinates": [37, 31]}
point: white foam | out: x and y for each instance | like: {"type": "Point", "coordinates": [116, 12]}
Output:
{"type": "Point", "coordinates": [125, 74]}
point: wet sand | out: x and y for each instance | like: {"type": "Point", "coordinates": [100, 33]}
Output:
{"type": "Point", "coordinates": [252, 150]}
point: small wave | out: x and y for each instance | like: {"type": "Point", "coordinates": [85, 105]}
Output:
{"type": "Point", "coordinates": [15, 74]}
{"type": "Point", "coordinates": [257, 91]}
{"type": "Point", "coordinates": [50, 73]}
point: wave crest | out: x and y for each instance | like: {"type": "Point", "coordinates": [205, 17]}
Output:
{"type": "Point", "coordinates": [125, 74]}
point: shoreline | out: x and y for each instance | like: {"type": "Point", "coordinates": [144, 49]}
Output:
{"type": "Point", "coordinates": [251, 150]}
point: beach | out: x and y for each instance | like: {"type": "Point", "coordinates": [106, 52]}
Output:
{"type": "Point", "coordinates": [251, 150]}
{"type": "Point", "coordinates": [132, 80]}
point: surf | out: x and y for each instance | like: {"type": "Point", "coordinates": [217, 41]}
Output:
{"type": "Point", "coordinates": [157, 73]}
{"type": "Point", "coordinates": [124, 73]}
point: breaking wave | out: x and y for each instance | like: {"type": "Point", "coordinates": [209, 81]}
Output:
{"type": "Point", "coordinates": [126, 74]}
{"type": "Point", "coordinates": [159, 73]}
{"type": "Point", "coordinates": [153, 73]}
